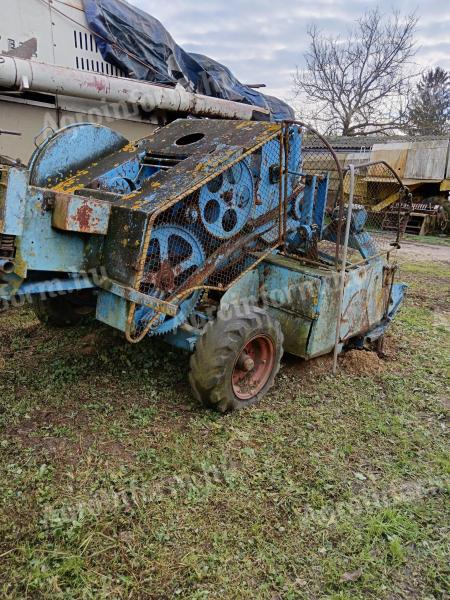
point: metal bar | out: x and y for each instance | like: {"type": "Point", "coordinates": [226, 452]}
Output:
{"type": "Point", "coordinates": [321, 204]}
{"type": "Point", "coordinates": [280, 191]}
{"type": "Point", "coordinates": [385, 164]}
{"type": "Point", "coordinates": [307, 261]}
{"type": "Point", "coordinates": [369, 258]}
{"type": "Point", "coordinates": [343, 269]}
{"type": "Point", "coordinates": [286, 182]}
{"type": "Point", "coordinates": [3, 132]}
{"type": "Point", "coordinates": [53, 286]}
{"type": "Point", "coordinates": [308, 200]}
{"type": "Point", "coordinates": [136, 297]}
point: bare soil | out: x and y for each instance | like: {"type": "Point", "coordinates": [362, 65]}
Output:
{"type": "Point", "coordinates": [418, 252]}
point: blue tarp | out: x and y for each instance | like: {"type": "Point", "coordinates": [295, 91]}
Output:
{"type": "Point", "coordinates": [142, 48]}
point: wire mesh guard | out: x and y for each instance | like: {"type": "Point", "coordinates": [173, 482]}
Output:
{"type": "Point", "coordinates": [213, 235]}
{"type": "Point", "coordinates": [386, 200]}
{"type": "Point", "coordinates": [320, 160]}
{"type": "Point", "coordinates": [381, 208]}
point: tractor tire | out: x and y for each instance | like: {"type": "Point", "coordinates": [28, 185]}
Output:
{"type": "Point", "coordinates": [236, 359]}
{"type": "Point", "coordinates": [61, 311]}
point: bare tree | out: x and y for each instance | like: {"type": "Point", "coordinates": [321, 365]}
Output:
{"type": "Point", "coordinates": [360, 85]}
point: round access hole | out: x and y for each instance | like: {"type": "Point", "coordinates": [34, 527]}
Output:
{"type": "Point", "coordinates": [212, 211]}
{"type": "Point", "coordinates": [7, 266]}
{"type": "Point", "coordinates": [192, 138]}
{"type": "Point", "coordinates": [229, 220]}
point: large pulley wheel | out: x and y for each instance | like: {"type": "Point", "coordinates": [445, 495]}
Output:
{"type": "Point", "coordinates": [226, 202]}
{"type": "Point", "coordinates": [64, 311]}
{"type": "Point", "coordinates": [173, 256]}
{"type": "Point", "coordinates": [236, 359]}
{"type": "Point", "coordinates": [69, 149]}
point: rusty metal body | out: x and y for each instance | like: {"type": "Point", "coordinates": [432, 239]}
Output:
{"type": "Point", "coordinates": [200, 214]}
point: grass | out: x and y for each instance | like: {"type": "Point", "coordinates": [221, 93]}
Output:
{"type": "Point", "coordinates": [115, 484]}
{"type": "Point", "coordinates": [434, 240]}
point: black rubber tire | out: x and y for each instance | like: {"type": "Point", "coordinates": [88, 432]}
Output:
{"type": "Point", "coordinates": [217, 350]}
{"type": "Point", "coordinates": [60, 311]}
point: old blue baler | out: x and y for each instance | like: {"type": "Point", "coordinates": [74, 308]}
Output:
{"type": "Point", "coordinates": [209, 233]}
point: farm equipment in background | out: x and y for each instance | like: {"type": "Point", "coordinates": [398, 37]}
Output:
{"type": "Point", "coordinates": [417, 218]}
{"type": "Point", "coordinates": [208, 233]}
{"type": "Point", "coordinates": [420, 163]}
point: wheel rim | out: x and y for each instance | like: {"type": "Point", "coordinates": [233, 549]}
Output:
{"type": "Point", "coordinates": [253, 367]}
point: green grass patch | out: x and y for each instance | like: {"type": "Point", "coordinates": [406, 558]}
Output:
{"type": "Point", "coordinates": [114, 483]}
{"type": "Point", "coordinates": [428, 269]}
{"type": "Point", "coordinates": [433, 240]}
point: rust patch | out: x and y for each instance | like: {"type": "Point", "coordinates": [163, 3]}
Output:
{"type": "Point", "coordinates": [83, 216]}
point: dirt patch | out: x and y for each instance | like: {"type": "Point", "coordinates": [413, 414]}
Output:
{"type": "Point", "coordinates": [361, 362]}
{"type": "Point", "coordinates": [412, 251]}
{"type": "Point", "coordinates": [89, 344]}
{"type": "Point", "coordinates": [98, 340]}
{"type": "Point", "coordinates": [442, 319]}
{"type": "Point", "coordinates": [354, 362]}
{"type": "Point", "coordinates": [63, 439]}
{"type": "Point", "coordinates": [72, 452]}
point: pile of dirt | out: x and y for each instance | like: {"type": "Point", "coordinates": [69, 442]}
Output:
{"type": "Point", "coordinates": [354, 362]}
{"type": "Point", "coordinates": [96, 341]}
{"type": "Point", "coordinates": [89, 344]}
{"type": "Point", "coordinates": [361, 362]}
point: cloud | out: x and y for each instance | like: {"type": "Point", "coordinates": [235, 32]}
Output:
{"type": "Point", "coordinates": [263, 41]}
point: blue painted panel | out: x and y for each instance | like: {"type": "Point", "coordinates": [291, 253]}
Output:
{"type": "Point", "coordinates": [82, 215]}
{"type": "Point", "coordinates": [70, 150]}
{"type": "Point", "coordinates": [43, 248]}
{"type": "Point", "coordinates": [308, 202]}
{"type": "Point", "coordinates": [112, 310]}
{"type": "Point", "coordinates": [184, 340]}
{"type": "Point", "coordinates": [321, 204]}
{"type": "Point", "coordinates": [13, 210]}
{"type": "Point", "coordinates": [245, 290]}
{"type": "Point", "coordinates": [50, 286]}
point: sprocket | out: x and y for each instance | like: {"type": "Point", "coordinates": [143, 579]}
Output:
{"type": "Point", "coordinates": [226, 202]}
{"type": "Point", "coordinates": [174, 254]}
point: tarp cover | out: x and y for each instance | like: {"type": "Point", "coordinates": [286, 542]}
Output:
{"type": "Point", "coordinates": [142, 48]}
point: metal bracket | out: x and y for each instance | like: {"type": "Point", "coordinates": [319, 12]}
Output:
{"type": "Point", "coordinates": [166, 308]}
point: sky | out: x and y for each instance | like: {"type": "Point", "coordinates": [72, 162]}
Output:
{"type": "Point", "coordinates": [262, 41]}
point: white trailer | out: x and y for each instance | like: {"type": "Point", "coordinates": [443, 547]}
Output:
{"type": "Point", "coordinates": [53, 75]}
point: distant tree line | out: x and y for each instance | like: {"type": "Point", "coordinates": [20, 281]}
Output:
{"type": "Point", "coordinates": [368, 83]}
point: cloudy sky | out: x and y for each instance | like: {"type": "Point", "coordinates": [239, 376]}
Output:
{"type": "Point", "coordinates": [262, 41]}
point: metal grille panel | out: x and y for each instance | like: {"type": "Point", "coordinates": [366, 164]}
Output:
{"type": "Point", "coordinates": [213, 235]}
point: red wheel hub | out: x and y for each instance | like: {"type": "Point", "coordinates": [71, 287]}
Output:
{"type": "Point", "coordinates": [253, 367]}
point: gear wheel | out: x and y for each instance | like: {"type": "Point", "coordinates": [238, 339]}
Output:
{"type": "Point", "coordinates": [226, 202]}
{"type": "Point", "coordinates": [174, 254]}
